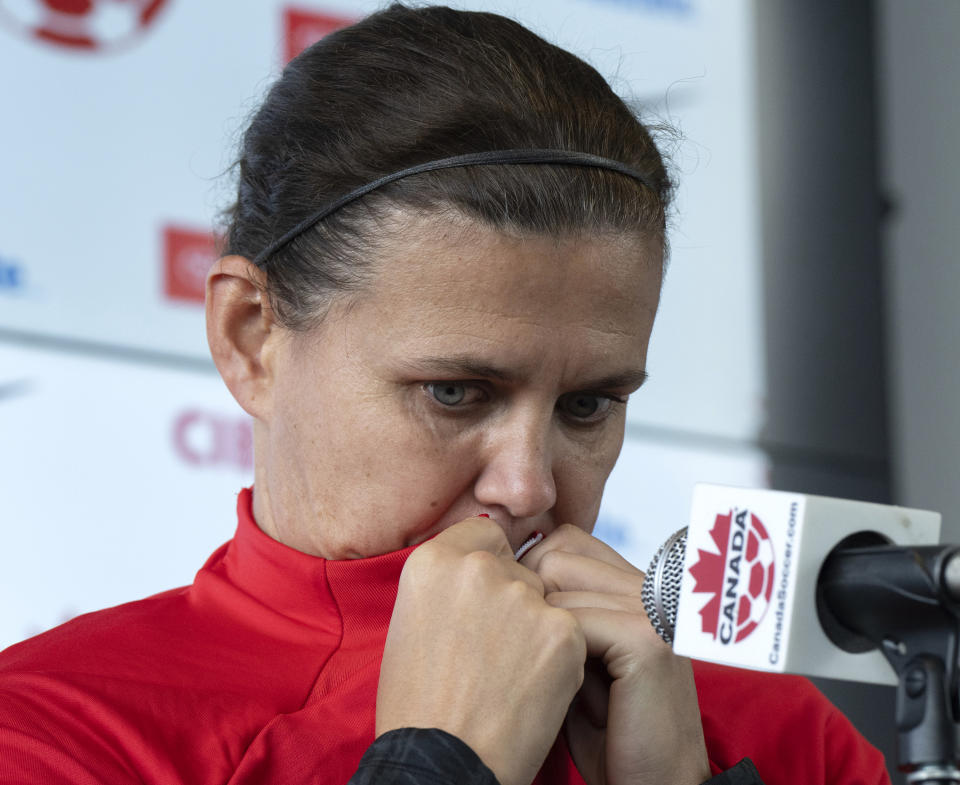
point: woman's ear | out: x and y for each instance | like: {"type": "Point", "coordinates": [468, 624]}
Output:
{"type": "Point", "coordinates": [242, 332]}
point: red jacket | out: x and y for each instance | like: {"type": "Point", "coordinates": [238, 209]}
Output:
{"type": "Point", "coordinates": [264, 671]}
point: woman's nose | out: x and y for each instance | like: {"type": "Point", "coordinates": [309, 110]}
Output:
{"type": "Point", "coordinates": [518, 471]}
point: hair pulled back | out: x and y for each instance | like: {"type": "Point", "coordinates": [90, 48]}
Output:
{"type": "Point", "coordinates": [410, 85]}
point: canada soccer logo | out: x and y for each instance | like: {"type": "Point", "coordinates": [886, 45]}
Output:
{"type": "Point", "coordinates": [739, 576]}
{"type": "Point", "coordinates": [85, 25]}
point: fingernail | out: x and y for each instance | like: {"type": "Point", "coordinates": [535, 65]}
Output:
{"type": "Point", "coordinates": [483, 515]}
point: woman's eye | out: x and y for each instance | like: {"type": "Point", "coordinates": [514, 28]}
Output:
{"type": "Point", "coordinates": [452, 393]}
{"type": "Point", "coordinates": [586, 407]}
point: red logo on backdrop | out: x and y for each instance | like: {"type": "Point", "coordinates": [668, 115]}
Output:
{"type": "Point", "coordinates": [739, 576]}
{"type": "Point", "coordinates": [302, 27]}
{"type": "Point", "coordinates": [84, 25]}
{"type": "Point", "coordinates": [209, 439]}
{"type": "Point", "coordinates": [187, 256]}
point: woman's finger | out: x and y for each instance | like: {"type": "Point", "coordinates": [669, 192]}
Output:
{"type": "Point", "coordinates": [477, 535]}
{"type": "Point", "coordinates": [562, 570]}
{"type": "Point", "coordinates": [572, 539]}
{"type": "Point", "coordinates": [594, 599]}
{"type": "Point", "coordinates": [618, 636]}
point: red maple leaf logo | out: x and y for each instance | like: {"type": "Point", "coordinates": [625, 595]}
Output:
{"type": "Point", "coordinates": [708, 573]}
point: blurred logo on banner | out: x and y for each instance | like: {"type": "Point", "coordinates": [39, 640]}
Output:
{"type": "Point", "coordinates": [187, 257]}
{"type": "Point", "coordinates": [672, 6]}
{"type": "Point", "coordinates": [615, 532]}
{"type": "Point", "coordinates": [302, 27]}
{"type": "Point", "coordinates": [14, 389]}
{"type": "Point", "coordinates": [81, 25]}
{"type": "Point", "coordinates": [203, 438]}
{"type": "Point", "coordinates": [13, 276]}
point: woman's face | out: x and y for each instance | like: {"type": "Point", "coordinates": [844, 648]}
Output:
{"type": "Point", "coordinates": [477, 373]}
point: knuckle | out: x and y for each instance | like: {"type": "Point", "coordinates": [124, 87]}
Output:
{"type": "Point", "coordinates": [550, 559]}
{"type": "Point", "coordinates": [568, 533]}
{"type": "Point", "coordinates": [551, 565]}
{"type": "Point", "coordinates": [431, 560]}
{"type": "Point", "coordinates": [426, 557]}
{"type": "Point", "coordinates": [478, 563]}
{"type": "Point", "coordinates": [566, 631]}
{"type": "Point", "coordinates": [518, 593]}
{"type": "Point", "coordinates": [416, 573]}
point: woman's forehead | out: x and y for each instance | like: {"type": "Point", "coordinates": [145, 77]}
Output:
{"type": "Point", "coordinates": [449, 256]}
{"type": "Point", "coordinates": [498, 298]}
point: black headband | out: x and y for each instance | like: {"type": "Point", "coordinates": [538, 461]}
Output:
{"type": "Point", "coordinates": [564, 157]}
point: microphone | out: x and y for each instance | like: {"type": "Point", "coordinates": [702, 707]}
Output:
{"type": "Point", "coordinates": [790, 582]}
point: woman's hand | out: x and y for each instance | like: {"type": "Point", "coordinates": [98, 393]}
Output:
{"type": "Point", "coordinates": [636, 719]}
{"type": "Point", "coordinates": [475, 650]}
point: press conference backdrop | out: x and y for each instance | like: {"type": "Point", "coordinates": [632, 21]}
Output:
{"type": "Point", "coordinates": [121, 452]}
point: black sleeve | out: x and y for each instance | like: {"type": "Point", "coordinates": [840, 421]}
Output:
{"type": "Point", "coordinates": [744, 773]}
{"type": "Point", "coordinates": [421, 756]}
{"type": "Point", "coordinates": [429, 756]}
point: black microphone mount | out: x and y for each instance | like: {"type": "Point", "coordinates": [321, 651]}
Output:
{"type": "Point", "coordinates": [905, 601]}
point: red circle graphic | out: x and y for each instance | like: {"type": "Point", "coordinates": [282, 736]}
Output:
{"type": "Point", "coordinates": [81, 25]}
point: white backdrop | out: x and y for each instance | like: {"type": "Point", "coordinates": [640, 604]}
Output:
{"type": "Point", "coordinates": [120, 451]}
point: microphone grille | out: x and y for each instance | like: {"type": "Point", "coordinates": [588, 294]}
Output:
{"type": "Point", "coordinates": [661, 586]}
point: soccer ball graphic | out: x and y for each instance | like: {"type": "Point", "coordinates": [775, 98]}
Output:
{"type": "Point", "coordinates": [91, 25]}
{"type": "Point", "coordinates": [756, 581]}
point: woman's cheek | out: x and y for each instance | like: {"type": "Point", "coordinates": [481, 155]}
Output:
{"type": "Point", "coordinates": [433, 473]}
{"type": "Point", "coordinates": [581, 476]}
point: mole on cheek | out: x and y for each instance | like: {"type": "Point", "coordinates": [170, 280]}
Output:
{"type": "Point", "coordinates": [433, 504]}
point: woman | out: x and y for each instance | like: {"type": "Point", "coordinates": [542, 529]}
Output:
{"type": "Point", "coordinates": [441, 275]}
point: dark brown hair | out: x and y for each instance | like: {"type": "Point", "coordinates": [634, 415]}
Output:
{"type": "Point", "coordinates": [409, 85]}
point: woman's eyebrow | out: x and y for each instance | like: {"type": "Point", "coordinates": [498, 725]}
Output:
{"type": "Point", "coordinates": [627, 379]}
{"type": "Point", "coordinates": [472, 367]}
{"type": "Point", "coordinates": [465, 366]}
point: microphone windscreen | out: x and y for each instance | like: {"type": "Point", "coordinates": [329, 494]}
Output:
{"type": "Point", "coordinates": [661, 586]}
